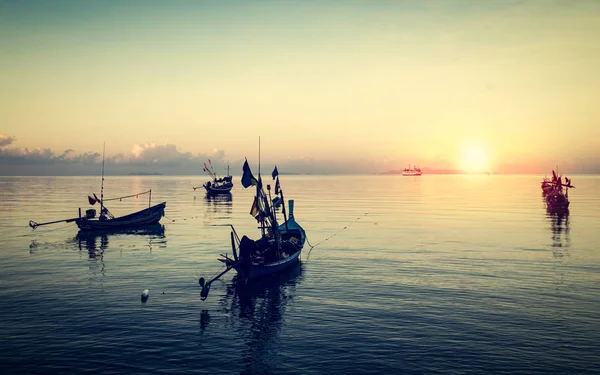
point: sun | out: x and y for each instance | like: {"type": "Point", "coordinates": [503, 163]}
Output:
{"type": "Point", "coordinates": [474, 158]}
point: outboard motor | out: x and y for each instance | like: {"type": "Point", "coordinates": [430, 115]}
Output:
{"type": "Point", "coordinates": [90, 213]}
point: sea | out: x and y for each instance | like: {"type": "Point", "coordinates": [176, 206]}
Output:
{"type": "Point", "coordinates": [438, 274]}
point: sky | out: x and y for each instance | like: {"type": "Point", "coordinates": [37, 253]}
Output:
{"type": "Point", "coordinates": [328, 86]}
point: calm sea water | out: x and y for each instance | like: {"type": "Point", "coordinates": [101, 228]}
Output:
{"type": "Point", "coordinates": [437, 274]}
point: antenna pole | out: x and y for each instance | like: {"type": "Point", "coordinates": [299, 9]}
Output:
{"type": "Point", "coordinates": [259, 155]}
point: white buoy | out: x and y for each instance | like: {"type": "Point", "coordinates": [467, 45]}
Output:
{"type": "Point", "coordinates": [145, 295]}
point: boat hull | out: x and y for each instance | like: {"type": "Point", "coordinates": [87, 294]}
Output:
{"type": "Point", "coordinates": [557, 202]}
{"type": "Point", "coordinates": [254, 272]}
{"type": "Point", "coordinates": [148, 216]}
{"type": "Point", "coordinates": [218, 190]}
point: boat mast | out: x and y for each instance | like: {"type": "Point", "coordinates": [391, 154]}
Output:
{"type": "Point", "coordinates": [102, 182]}
{"type": "Point", "coordinates": [259, 193]}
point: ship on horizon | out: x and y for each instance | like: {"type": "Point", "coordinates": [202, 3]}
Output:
{"type": "Point", "coordinates": [416, 171]}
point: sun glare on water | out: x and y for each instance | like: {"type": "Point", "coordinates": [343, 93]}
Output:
{"type": "Point", "coordinates": [474, 159]}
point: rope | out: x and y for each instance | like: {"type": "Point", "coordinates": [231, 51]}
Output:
{"type": "Point", "coordinates": [181, 219]}
{"type": "Point", "coordinates": [47, 231]}
{"type": "Point", "coordinates": [168, 218]}
{"type": "Point", "coordinates": [127, 196]}
{"type": "Point", "coordinates": [333, 235]}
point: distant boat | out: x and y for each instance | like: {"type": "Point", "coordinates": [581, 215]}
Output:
{"type": "Point", "coordinates": [217, 185]}
{"type": "Point", "coordinates": [411, 171]}
{"type": "Point", "coordinates": [279, 245]}
{"type": "Point", "coordinates": [106, 220]}
{"type": "Point", "coordinates": [556, 193]}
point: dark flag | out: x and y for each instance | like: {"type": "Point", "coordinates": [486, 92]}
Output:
{"type": "Point", "coordinates": [277, 187]}
{"type": "Point", "coordinates": [275, 173]}
{"type": "Point", "coordinates": [91, 200]}
{"type": "Point", "coordinates": [247, 177]}
{"type": "Point", "coordinates": [254, 211]}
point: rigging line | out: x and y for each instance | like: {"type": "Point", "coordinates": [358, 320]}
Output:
{"type": "Point", "coordinates": [127, 196]}
{"type": "Point", "coordinates": [168, 218]}
{"type": "Point", "coordinates": [47, 231]}
{"type": "Point", "coordinates": [333, 235]}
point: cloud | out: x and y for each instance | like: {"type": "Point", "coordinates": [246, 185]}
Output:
{"type": "Point", "coordinates": [167, 159]}
{"type": "Point", "coordinates": [146, 157]}
{"type": "Point", "coordinates": [5, 140]}
{"type": "Point", "coordinates": [43, 156]}
{"type": "Point", "coordinates": [153, 154]}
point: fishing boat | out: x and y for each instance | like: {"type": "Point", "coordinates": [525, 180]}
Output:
{"type": "Point", "coordinates": [106, 220]}
{"type": "Point", "coordinates": [416, 171]}
{"type": "Point", "coordinates": [216, 185]}
{"type": "Point", "coordinates": [556, 193]}
{"type": "Point", "coordinates": [279, 245]}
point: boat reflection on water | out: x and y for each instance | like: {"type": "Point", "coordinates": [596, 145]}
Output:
{"type": "Point", "coordinates": [257, 309]}
{"type": "Point", "coordinates": [218, 206]}
{"type": "Point", "coordinates": [561, 241]}
{"type": "Point", "coordinates": [96, 242]}
{"type": "Point", "coordinates": [219, 199]}
{"type": "Point", "coordinates": [559, 225]}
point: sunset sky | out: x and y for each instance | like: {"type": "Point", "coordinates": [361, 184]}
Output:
{"type": "Point", "coordinates": [329, 86]}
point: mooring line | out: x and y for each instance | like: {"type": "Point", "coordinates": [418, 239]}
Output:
{"type": "Point", "coordinates": [46, 231]}
{"type": "Point", "coordinates": [181, 219]}
{"type": "Point", "coordinates": [333, 235]}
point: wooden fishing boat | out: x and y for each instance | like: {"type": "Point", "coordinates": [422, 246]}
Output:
{"type": "Point", "coordinates": [556, 193]}
{"type": "Point", "coordinates": [147, 216]}
{"type": "Point", "coordinates": [217, 185]}
{"type": "Point", "coordinates": [279, 245]}
{"type": "Point", "coordinates": [106, 220]}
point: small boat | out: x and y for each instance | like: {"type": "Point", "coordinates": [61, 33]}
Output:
{"type": "Point", "coordinates": [216, 185]}
{"type": "Point", "coordinates": [279, 245]}
{"type": "Point", "coordinates": [106, 220]}
{"type": "Point", "coordinates": [416, 171]}
{"type": "Point", "coordinates": [556, 193]}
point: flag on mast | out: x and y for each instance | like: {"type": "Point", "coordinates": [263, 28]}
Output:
{"type": "Point", "coordinates": [254, 211]}
{"type": "Point", "coordinates": [248, 178]}
{"type": "Point", "coordinates": [275, 173]}
{"type": "Point", "coordinates": [277, 187]}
